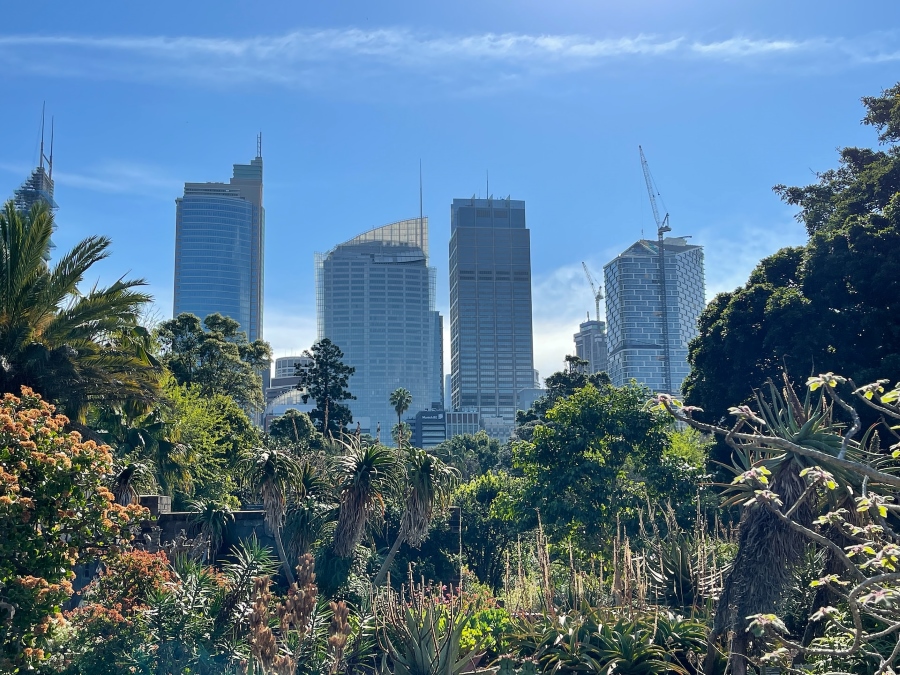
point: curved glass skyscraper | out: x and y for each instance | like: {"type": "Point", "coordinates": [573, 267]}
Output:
{"type": "Point", "coordinates": [219, 238]}
{"type": "Point", "coordinates": [375, 298]}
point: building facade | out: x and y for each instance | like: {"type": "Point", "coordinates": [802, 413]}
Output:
{"type": "Point", "coordinates": [590, 345]}
{"type": "Point", "coordinates": [375, 299]}
{"type": "Point", "coordinates": [219, 248]}
{"type": "Point", "coordinates": [491, 339]}
{"type": "Point", "coordinates": [648, 340]}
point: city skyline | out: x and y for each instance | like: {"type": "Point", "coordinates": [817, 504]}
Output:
{"type": "Point", "coordinates": [350, 97]}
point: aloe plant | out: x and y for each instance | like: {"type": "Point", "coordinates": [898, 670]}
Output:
{"type": "Point", "coordinates": [421, 633]}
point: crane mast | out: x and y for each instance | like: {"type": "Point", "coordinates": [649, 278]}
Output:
{"type": "Point", "coordinates": [662, 226]}
{"type": "Point", "coordinates": [597, 290]}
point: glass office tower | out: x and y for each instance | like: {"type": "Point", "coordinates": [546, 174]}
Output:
{"type": "Point", "coordinates": [491, 342]}
{"type": "Point", "coordinates": [637, 320]}
{"type": "Point", "coordinates": [375, 299]}
{"type": "Point", "coordinates": [219, 257]}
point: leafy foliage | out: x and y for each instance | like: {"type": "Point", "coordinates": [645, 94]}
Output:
{"type": "Point", "coordinates": [215, 356]}
{"type": "Point", "coordinates": [820, 307]}
{"type": "Point", "coordinates": [75, 348]}
{"type": "Point", "coordinates": [581, 462]}
{"type": "Point", "coordinates": [54, 511]}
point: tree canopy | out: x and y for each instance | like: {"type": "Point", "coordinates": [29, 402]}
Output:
{"type": "Point", "coordinates": [215, 356]}
{"type": "Point", "coordinates": [325, 381]}
{"type": "Point", "coordinates": [582, 461]}
{"type": "Point", "coordinates": [830, 305]}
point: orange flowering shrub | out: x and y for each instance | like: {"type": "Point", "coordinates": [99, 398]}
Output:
{"type": "Point", "coordinates": [129, 578]}
{"type": "Point", "coordinates": [54, 511]}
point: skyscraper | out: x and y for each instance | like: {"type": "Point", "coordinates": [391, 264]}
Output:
{"type": "Point", "coordinates": [491, 341]}
{"type": "Point", "coordinates": [39, 186]}
{"type": "Point", "coordinates": [375, 299]}
{"type": "Point", "coordinates": [647, 339]}
{"type": "Point", "coordinates": [219, 256]}
{"type": "Point", "coordinates": [590, 345]}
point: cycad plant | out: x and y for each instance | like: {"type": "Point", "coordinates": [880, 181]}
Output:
{"type": "Point", "coordinates": [76, 348]}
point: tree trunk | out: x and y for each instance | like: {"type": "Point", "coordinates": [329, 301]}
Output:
{"type": "Point", "coordinates": [285, 566]}
{"type": "Point", "coordinates": [386, 565]}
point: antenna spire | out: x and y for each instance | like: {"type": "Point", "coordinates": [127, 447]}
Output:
{"type": "Point", "coordinates": [487, 184]}
{"type": "Point", "coordinates": [43, 111]}
{"type": "Point", "coordinates": [259, 145]}
{"type": "Point", "coordinates": [50, 159]}
{"type": "Point", "coordinates": [421, 209]}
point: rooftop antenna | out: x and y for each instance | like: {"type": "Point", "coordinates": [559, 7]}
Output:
{"type": "Point", "coordinates": [50, 159]}
{"type": "Point", "coordinates": [421, 209]}
{"type": "Point", "coordinates": [41, 158]}
{"type": "Point", "coordinates": [487, 184]}
{"type": "Point", "coordinates": [259, 145]}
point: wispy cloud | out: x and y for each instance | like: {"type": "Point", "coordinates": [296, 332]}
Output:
{"type": "Point", "coordinates": [733, 249]}
{"type": "Point", "coordinates": [309, 57]}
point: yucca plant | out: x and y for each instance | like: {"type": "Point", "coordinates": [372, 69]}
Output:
{"type": "Point", "coordinates": [211, 519]}
{"type": "Point", "coordinates": [367, 473]}
{"type": "Point", "coordinates": [430, 483]}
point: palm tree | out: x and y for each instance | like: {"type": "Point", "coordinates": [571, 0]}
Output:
{"type": "Point", "coordinates": [430, 484]}
{"type": "Point", "coordinates": [125, 483]}
{"type": "Point", "coordinates": [211, 520]}
{"type": "Point", "coordinates": [74, 348]}
{"type": "Point", "coordinates": [367, 473]}
{"type": "Point", "coordinates": [272, 472]}
{"type": "Point", "coordinates": [401, 399]}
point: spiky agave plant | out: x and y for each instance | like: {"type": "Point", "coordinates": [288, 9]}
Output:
{"type": "Point", "coordinates": [367, 473]}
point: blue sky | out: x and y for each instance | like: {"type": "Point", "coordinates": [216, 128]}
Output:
{"type": "Point", "coordinates": [553, 98]}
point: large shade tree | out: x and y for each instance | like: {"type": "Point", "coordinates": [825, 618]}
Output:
{"type": "Point", "coordinates": [830, 305]}
{"type": "Point", "coordinates": [584, 463]}
{"type": "Point", "coordinates": [75, 347]}
{"type": "Point", "coordinates": [215, 356]}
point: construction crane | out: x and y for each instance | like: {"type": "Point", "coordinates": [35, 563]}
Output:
{"type": "Point", "coordinates": [662, 226]}
{"type": "Point", "coordinates": [598, 290]}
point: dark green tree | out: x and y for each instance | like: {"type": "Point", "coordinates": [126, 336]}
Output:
{"type": "Point", "coordinates": [297, 428]}
{"type": "Point", "coordinates": [827, 306]}
{"type": "Point", "coordinates": [490, 507]}
{"type": "Point", "coordinates": [215, 356]}
{"type": "Point", "coordinates": [471, 454]}
{"type": "Point", "coordinates": [559, 385]}
{"type": "Point", "coordinates": [585, 461]}
{"type": "Point", "coordinates": [325, 381]}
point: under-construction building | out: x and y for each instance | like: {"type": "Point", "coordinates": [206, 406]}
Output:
{"type": "Point", "coordinates": [648, 339]}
